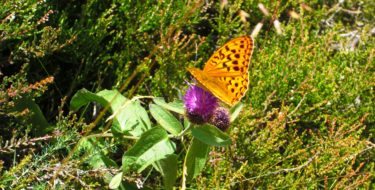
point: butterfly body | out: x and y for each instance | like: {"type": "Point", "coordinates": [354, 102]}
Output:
{"type": "Point", "coordinates": [226, 74]}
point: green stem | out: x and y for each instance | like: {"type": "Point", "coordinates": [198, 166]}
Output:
{"type": "Point", "coordinates": [182, 133]}
{"type": "Point", "coordinates": [111, 135]}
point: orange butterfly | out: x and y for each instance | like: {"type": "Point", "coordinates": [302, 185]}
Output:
{"type": "Point", "coordinates": [226, 74]}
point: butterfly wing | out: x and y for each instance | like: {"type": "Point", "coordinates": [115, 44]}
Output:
{"type": "Point", "coordinates": [232, 58]}
{"type": "Point", "coordinates": [229, 66]}
{"type": "Point", "coordinates": [210, 84]}
{"type": "Point", "coordinates": [226, 74]}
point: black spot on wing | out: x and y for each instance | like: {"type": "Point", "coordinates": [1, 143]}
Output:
{"type": "Point", "coordinates": [221, 55]}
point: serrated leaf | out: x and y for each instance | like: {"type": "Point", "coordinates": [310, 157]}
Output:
{"type": "Point", "coordinates": [153, 145]}
{"type": "Point", "coordinates": [165, 119]}
{"type": "Point", "coordinates": [175, 106]}
{"type": "Point", "coordinates": [196, 158]}
{"type": "Point", "coordinates": [211, 135]}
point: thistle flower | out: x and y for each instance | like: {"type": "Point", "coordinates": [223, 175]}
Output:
{"type": "Point", "coordinates": [199, 104]}
{"type": "Point", "coordinates": [220, 118]}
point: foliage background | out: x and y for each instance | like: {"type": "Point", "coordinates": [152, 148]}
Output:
{"type": "Point", "coordinates": [308, 119]}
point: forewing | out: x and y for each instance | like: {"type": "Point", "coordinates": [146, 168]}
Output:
{"type": "Point", "coordinates": [212, 85]}
{"type": "Point", "coordinates": [232, 59]}
{"type": "Point", "coordinates": [229, 66]}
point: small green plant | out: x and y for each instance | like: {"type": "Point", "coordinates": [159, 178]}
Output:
{"type": "Point", "coordinates": [156, 143]}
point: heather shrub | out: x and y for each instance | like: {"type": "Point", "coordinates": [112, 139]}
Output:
{"type": "Point", "coordinates": [93, 95]}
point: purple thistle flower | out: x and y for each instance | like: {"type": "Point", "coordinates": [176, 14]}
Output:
{"type": "Point", "coordinates": [199, 104]}
{"type": "Point", "coordinates": [220, 118]}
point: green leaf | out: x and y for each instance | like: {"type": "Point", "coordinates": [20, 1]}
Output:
{"type": "Point", "coordinates": [175, 106]}
{"type": "Point", "coordinates": [37, 119]}
{"type": "Point", "coordinates": [166, 119]}
{"type": "Point", "coordinates": [130, 117]}
{"type": "Point", "coordinates": [196, 158]}
{"type": "Point", "coordinates": [83, 97]}
{"type": "Point", "coordinates": [235, 111]}
{"type": "Point", "coordinates": [211, 135]}
{"type": "Point", "coordinates": [186, 123]}
{"type": "Point", "coordinates": [101, 160]}
{"type": "Point", "coordinates": [95, 147]}
{"type": "Point", "coordinates": [153, 145]}
{"type": "Point", "coordinates": [167, 167]}
{"type": "Point", "coordinates": [116, 181]}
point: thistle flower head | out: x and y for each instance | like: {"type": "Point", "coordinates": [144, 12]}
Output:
{"type": "Point", "coordinates": [220, 118]}
{"type": "Point", "coordinates": [199, 104]}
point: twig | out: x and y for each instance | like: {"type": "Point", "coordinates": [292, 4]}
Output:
{"type": "Point", "coordinates": [351, 11]}
{"type": "Point", "coordinates": [125, 104]}
{"type": "Point", "coordinates": [284, 170]}
{"type": "Point", "coordinates": [257, 29]}
{"type": "Point", "coordinates": [298, 105]}
{"type": "Point", "coordinates": [111, 135]}
{"type": "Point", "coordinates": [268, 101]}
{"type": "Point", "coordinates": [17, 143]}
{"type": "Point", "coordinates": [371, 146]}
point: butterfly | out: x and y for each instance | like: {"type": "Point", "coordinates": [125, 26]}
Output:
{"type": "Point", "coordinates": [226, 74]}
